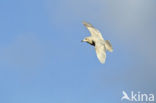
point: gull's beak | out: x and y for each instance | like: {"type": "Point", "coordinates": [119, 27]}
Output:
{"type": "Point", "coordinates": [84, 40]}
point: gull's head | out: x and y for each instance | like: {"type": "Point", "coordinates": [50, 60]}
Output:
{"type": "Point", "coordinates": [88, 40]}
{"type": "Point", "coordinates": [85, 39]}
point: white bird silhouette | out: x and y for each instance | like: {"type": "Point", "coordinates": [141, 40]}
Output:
{"type": "Point", "coordinates": [125, 96]}
{"type": "Point", "coordinates": [97, 40]}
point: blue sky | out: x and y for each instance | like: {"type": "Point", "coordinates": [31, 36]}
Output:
{"type": "Point", "coordinates": [43, 61]}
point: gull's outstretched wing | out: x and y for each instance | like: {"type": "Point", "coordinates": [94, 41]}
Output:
{"type": "Point", "coordinates": [100, 52]}
{"type": "Point", "coordinates": [92, 30]}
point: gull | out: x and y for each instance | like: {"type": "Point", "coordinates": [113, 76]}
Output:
{"type": "Point", "coordinates": [96, 40]}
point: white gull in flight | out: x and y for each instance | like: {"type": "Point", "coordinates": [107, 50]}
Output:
{"type": "Point", "coordinates": [96, 40]}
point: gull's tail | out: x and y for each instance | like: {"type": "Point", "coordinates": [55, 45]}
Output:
{"type": "Point", "coordinates": [108, 46]}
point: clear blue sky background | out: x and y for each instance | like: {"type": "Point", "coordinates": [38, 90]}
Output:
{"type": "Point", "coordinates": [43, 61]}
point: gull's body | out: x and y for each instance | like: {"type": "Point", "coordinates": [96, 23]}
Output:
{"type": "Point", "coordinates": [98, 41]}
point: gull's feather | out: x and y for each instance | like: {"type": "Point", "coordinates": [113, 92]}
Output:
{"type": "Point", "coordinates": [100, 52]}
{"type": "Point", "coordinates": [92, 30]}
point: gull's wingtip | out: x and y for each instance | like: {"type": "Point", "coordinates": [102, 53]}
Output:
{"type": "Point", "coordinates": [86, 24]}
